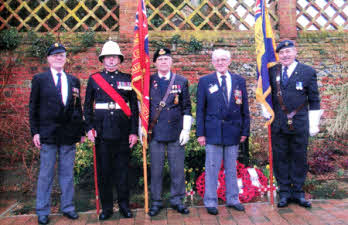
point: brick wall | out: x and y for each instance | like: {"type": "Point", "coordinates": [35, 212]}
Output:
{"type": "Point", "coordinates": [328, 57]}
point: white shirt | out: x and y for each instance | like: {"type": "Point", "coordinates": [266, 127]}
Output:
{"type": "Point", "coordinates": [167, 76]}
{"type": "Point", "coordinates": [64, 82]}
{"type": "Point", "coordinates": [228, 82]}
{"type": "Point", "coordinates": [291, 68]}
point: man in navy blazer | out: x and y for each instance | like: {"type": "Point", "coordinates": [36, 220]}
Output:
{"type": "Point", "coordinates": [170, 131]}
{"type": "Point", "coordinates": [296, 105]}
{"type": "Point", "coordinates": [56, 124]}
{"type": "Point", "coordinates": [222, 123]}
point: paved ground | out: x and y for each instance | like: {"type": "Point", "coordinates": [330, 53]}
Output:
{"type": "Point", "coordinates": [322, 212]}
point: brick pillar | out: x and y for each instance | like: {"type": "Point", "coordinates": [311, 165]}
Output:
{"type": "Point", "coordinates": [127, 19]}
{"type": "Point", "coordinates": [287, 19]}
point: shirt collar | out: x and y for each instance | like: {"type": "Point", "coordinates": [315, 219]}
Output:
{"type": "Point", "coordinates": [292, 66]}
{"type": "Point", "coordinates": [227, 74]}
{"type": "Point", "coordinates": [54, 72]}
{"type": "Point", "coordinates": [167, 76]}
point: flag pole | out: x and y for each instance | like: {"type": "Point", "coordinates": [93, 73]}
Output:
{"type": "Point", "coordinates": [95, 176]}
{"type": "Point", "coordinates": [270, 164]}
{"type": "Point", "coordinates": [146, 195]}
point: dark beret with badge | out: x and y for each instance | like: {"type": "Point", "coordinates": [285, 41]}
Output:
{"type": "Point", "coordinates": [285, 44]}
{"type": "Point", "coordinates": [161, 52]}
{"type": "Point", "coordinates": [55, 49]}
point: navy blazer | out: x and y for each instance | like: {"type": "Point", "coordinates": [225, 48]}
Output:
{"type": "Point", "coordinates": [111, 124]}
{"type": "Point", "coordinates": [301, 87]}
{"type": "Point", "coordinates": [56, 123]}
{"type": "Point", "coordinates": [170, 121]}
{"type": "Point", "coordinates": [221, 123]}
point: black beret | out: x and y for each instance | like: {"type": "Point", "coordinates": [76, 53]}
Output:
{"type": "Point", "coordinates": [285, 44]}
{"type": "Point", "coordinates": [161, 52]}
{"type": "Point", "coordinates": [55, 48]}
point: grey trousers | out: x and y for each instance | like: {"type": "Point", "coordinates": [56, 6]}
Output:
{"type": "Point", "coordinates": [176, 157]}
{"type": "Point", "coordinates": [213, 158]}
{"type": "Point", "coordinates": [66, 158]}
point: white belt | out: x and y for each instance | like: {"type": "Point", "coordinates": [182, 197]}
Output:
{"type": "Point", "coordinates": [109, 105]}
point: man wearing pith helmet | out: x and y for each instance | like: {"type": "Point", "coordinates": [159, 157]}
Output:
{"type": "Point", "coordinates": [111, 110]}
{"type": "Point", "coordinates": [296, 105]}
{"type": "Point", "coordinates": [170, 124]}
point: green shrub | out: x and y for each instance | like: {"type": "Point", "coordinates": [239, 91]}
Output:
{"type": "Point", "coordinates": [9, 39]}
{"type": "Point", "coordinates": [39, 44]}
{"type": "Point", "coordinates": [84, 162]}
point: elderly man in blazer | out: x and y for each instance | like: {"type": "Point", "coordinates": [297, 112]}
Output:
{"type": "Point", "coordinates": [296, 105]}
{"type": "Point", "coordinates": [56, 125]}
{"type": "Point", "coordinates": [170, 118]}
{"type": "Point", "coordinates": [222, 123]}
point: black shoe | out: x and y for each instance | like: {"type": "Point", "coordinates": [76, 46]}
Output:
{"type": "Point", "coordinates": [283, 202]}
{"type": "Point", "coordinates": [212, 210]}
{"type": "Point", "coordinates": [303, 202]}
{"type": "Point", "coordinates": [154, 210]}
{"type": "Point", "coordinates": [181, 208]}
{"type": "Point", "coordinates": [42, 219]}
{"type": "Point", "coordinates": [71, 215]}
{"type": "Point", "coordinates": [238, 207]}
{"type": "Point", "coordinates": [126, 212]}
{"type": "Point", "coordinates": [105, 215]}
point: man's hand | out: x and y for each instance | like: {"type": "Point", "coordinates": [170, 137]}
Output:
{"type": "Point", "coordinates": [90, 135]}
{"type": "Point", "coordinates": [36, 140]}
{"type": "Point", "coordinates": [242, 139]}
{"type": "Point", "coordinates": [132, 140]}
{"type": "Point", "coordinates": [201, 140]}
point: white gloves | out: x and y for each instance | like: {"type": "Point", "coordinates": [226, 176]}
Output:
{"type": "Point", "coordinates": [314, 119]}
{"type": "Point", "coordinates": [185, 133]}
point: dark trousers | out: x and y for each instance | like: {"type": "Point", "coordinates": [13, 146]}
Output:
{"type": "Point", "coordinates": [290, 162]}
{"type": "Point", "coordinates": [176, 157]}
{"type": "Point", "coordinates": [112, 165]}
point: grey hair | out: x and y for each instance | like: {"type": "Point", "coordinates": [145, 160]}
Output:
{"type": "Point", "coordinates": [220, 52]}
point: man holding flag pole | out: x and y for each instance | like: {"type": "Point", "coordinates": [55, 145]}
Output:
{"type": "Point", "coordinates": [296, 109]}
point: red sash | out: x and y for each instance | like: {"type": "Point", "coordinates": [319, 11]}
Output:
{"type": "Point", "coordinates": [112, 93]}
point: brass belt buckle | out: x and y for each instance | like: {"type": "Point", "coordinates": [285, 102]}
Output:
{"type": "Point", "coordinates": [111, 105]}
{"type": "Point", "coordinates": [162, 104]}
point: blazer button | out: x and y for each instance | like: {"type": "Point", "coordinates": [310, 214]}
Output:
{"type": "Point", "coordinates": [112, 113]}
{"type": "Point", "coordinates": [112, 76]}
{"type": "Point", "coordinates": [168, 121]}
{"type": "Point", "coordinates": [112, 85]}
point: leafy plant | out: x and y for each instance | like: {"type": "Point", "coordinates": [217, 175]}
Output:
{"type": "Point", "coordinates": [9, 39]}
{"type": "Point", "coordinates": [329, 189]}
{"type": "Point", "coordinates": [83, 161]}
{"type": "Point", "coordinates": [320, 162]}
{"type": "Point", "coordinates": [39, 44]}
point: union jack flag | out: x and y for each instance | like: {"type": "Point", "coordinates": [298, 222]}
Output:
{"type": "Point", "coordinates": [265, 58]}
{"type": "Point", "coordinates": [141, 67]}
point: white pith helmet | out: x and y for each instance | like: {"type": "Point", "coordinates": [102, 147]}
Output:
{"type": "Point", "coordinates": [110, 48]}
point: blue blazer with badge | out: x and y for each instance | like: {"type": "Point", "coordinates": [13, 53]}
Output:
{"type": "Point", "coordinates": [56, 123]}
{"type": "Point", "coordinates": [178, 104]}
{"type": "Point", "coordinates": [221, 123]}
{"type": "Point", "coordinates": [301, 87]}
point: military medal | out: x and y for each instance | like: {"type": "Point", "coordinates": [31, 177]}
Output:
{"type": "Point", "coordinates": [238, 96]}
{"type": "Point", "coordinates": [176, 99]}
{"type": "Point", "coordinates": [155, 85]}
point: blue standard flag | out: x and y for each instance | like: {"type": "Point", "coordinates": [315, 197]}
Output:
{"type": "Point", "coordinates": [265, 58]}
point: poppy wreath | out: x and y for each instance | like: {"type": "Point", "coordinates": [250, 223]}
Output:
{"type": "Point", "coordinates": [248, 190]}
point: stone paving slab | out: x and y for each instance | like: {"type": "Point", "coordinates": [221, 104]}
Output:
{"type": "Point", "coordinates": [323, 212]}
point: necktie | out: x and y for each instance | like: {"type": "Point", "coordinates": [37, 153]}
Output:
{"type": "Point", "coordinates": [285, 76]}
{"type": "Point", "coordinates": [59, 86]}
{"type": "Point", "coordinates": [224, 87]}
